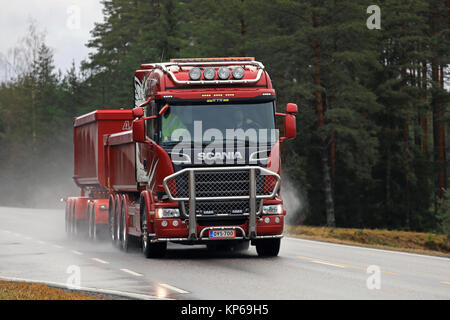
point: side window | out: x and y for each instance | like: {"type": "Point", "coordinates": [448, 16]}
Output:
{"type": "Point", "coordinates": [151, 123]}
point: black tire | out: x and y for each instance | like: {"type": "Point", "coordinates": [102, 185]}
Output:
{"type": "Point", "coordinates": [268, 247]}
{"type": "Point", "coordinates": [150, 250]}
{"type": "Point", "coordinates": [124, 240]}
{"type": "Point", "coordinates": [111, 223]}
{"type": "Point", "coordinates": [117, 231]}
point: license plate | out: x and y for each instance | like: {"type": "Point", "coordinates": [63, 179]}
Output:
{"type": "Point", "coordinates": [222, 234]}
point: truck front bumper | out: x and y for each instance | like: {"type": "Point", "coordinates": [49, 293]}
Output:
{"type": "Point", "coordinates": [177, 230]}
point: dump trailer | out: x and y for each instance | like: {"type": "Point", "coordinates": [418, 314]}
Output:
{"type": "Point", "coordinates": [195, 161]}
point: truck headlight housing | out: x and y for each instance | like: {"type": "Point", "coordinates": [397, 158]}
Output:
{"type": "Point", "coordinates": [209, 73]}
{"type": "Point", "coordinates": [238, 73]}
{"type": "Point", "coordinates": [167, 213]}
{"type": "Point", "coordinates": [223, 73]}
{"type": "Point", "coordinates": [195, 73]}
{"type": "Point", "coordinates": [273, 209]}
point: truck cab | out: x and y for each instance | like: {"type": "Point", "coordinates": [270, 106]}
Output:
{"type": "Point", "coordinates": [207, 154]}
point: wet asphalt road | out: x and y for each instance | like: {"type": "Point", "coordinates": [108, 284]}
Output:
{"type": "Point", "coordinates": [34, 246]}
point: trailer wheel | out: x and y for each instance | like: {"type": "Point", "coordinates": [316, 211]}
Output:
{"type": "Point", "coordinates": [150, 250]}
{"type": "Point", "coordinates": [111, 223]}
{"type": "Point", "coordinates": [117, 231]}
{"type": "Point", "coordinates": [268, 247]}
{"type": "Point", "coordinates": [124, 241]}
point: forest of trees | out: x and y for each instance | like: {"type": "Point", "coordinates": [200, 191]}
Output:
{"type": "Point", "coordinates": [372, 141]}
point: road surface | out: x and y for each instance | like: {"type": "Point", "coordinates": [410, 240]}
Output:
{"type": "Point", "coordinates": [34, 246]}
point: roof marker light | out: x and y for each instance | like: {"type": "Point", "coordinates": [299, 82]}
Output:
{"type": "Point", "coordinates": [238, 73]}
{"type": "Point", "coordinates": [195, 74]}
{"type": "Point", "coordinates": [209, 73]}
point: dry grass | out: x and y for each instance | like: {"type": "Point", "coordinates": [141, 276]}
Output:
{"type": "Point", "coordinates": [427, 243]}
{"type": "Point", "coordinates": [33, 291]}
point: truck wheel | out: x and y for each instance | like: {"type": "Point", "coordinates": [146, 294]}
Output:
{"type": "Point", "coordinates": [124, 241]}
{"type": "Point", "coordinates": [151, 250]}
{"type": "Point", "coordinates": [268, 247]}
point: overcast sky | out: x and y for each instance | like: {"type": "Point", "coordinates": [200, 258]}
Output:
{"type": "Point", "coordinates": [67, 24]}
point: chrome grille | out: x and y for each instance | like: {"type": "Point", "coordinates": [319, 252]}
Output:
{"type": "Point", "coordinates": [220, 184]}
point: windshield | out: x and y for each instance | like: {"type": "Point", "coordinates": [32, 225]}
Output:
{"type": "Point", "coordinates": [250, 122]}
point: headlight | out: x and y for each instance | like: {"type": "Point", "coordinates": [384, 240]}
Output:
{"type": "Point", "coordinates": [103, 207]}
{"type": "Point", "coordinates": [223, 73]}
{"type": "Point", "coordinates": [195, 73]}
{"type": "Point", "coordinates": [273, 209]}
{"type": "Point", "coordinates": [209, 73]}
{"type": "Point", "coordinates": [238, 73]}
{"type": "Point", "coordinates": [167, 213]}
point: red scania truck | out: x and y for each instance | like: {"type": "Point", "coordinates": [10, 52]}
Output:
{"type": "Point", "coordinates": [196, 161]}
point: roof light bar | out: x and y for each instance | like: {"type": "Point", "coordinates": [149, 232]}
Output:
{"type": "Point", "coordinates": [214, 59]}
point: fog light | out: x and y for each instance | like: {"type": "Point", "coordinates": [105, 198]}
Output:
{"type": "Point", "coordinates": [267, 220]}
{"type": "Point", "coordinates": [277, 220]}
{"type": "Point", "coordinates": [175, 223]}
{"type": "Point", "coordinates": [164, 223]}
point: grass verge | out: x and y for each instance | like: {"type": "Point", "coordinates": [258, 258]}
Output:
{"type": "Point", "coordinates": [416, 242]}
{"type": "Point", "coordinates": [33, 291]}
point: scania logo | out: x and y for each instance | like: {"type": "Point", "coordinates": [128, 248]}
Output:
{"type": "Point", "coordinates": [231, 155]}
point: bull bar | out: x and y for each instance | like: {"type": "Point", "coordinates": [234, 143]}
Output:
{"type": "Point", "coordinates": [252, 196]}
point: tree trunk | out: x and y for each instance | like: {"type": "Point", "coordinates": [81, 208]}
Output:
{"type": "Point", "coordinates": [329, 201]}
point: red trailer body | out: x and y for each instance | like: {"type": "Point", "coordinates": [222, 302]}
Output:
{"type": "Point", "coordinates": [136, 183]}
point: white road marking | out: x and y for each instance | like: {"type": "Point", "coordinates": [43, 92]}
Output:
{"type": "Point", "coordinates": [131, 272]}
{"type": "Point", "coordinates": [57, 246]}
{"type": "Point", "coordinates": [100, 260]}
{"type": "Point", "coordinates": [28, 238]}
{"type": "Point", "coordinates": [327, 263]}
{"type": "Point", "coordinates": [42, 242]}
{"type": "Point", "coordinates": [167, 286]}
{"type": "Point", "coordinates": [77, 252]}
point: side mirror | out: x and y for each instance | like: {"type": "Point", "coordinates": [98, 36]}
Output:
{"type": "Point", "coordinates": [139, 130]}
{"type": "Point", "coordinates": [291, 108]}
{"type": "Point", "coordinates": [290, 126]}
